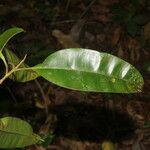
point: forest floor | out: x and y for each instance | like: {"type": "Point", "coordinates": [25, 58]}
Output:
{"type": "Point", "coordinates": [121, 28]}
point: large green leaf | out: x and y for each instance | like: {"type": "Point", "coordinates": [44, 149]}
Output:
{"type": "Point", "coordinates": [20, 76]}
{"type": "Point", "coordinates": [7, 35]}
{"type": "Point", "coordinates": [89, 70]}
{"type": "Point", "coordinates": [15, 133]}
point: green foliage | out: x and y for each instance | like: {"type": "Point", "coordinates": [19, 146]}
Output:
{"type": "Point", "coordinates": [78, 69]}
{"type": "Point", "coordinates": [129, 18]}
{"type": "Point", "coordinates": [15, 132]}
{"type": "Point", "coordinates": [89, 70]}
{"type": "Point", "coordinates": [20, 76]}
{"type": "Point", "coordinates": [4, 38]}
{"type": "Point", "coordinates": [7, 35]}
{"type": "Point", "coordinates": [47, 140]}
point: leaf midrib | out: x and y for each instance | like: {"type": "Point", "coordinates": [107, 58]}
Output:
{"type": "Point", "coordinates": [10, 132]}
{"type": "Point", "coordinates": [126, 81]}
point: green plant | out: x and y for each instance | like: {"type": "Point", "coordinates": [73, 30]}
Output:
{"type": "Point", "coordinates": [14, 132]}
{"type": "Point", "coordinates": [75, 68]}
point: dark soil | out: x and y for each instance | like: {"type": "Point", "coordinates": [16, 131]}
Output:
{"type": "Point", "coordinates": [54, 25]}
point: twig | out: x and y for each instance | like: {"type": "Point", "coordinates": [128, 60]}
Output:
{"type": "Point", "coordinates": [13, 70]}
{"type": "Point", "coordinates": [67, 6]}
{"type": "Point", "coordinates": [43, 95]}
{"type": "Point", "coordinates": [88, 7]}
{"type": "Point", "coordinates": [4, 61]}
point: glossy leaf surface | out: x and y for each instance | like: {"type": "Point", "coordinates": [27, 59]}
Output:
{"type": "Point", "coordinates": [89, 70]}
{"type": "Point", "coordinates": [7, 35]}
{"type": "Point", "coordinates": [20, 76]}
{"type": "Point", "coordinates": [16, 133]}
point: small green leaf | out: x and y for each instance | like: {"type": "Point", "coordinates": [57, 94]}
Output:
{"type": "Point", "coordinates": [47, 140]}
{"type": "Point", "coordinates": [7, 35]}
{"type": "Point", "coordinates": [89, 70]}
{"type": "Point", "coordinates": [22, 75]}
{"type": "Point", "coordinates": [16, 133]}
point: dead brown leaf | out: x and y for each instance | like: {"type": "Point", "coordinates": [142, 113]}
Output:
{"type": "Point", "coordinates": [133, 43]}
{"type": "Point", "coordinates": [120, 52]}
{"type": "Point", "coordinates": [138, 146]}
{"type": "Point", "coordinates": [116, 36]}
{"type": "Point", "coordinates": [65, 40]}
{"type": "Point", "coordinates": [76, 30]}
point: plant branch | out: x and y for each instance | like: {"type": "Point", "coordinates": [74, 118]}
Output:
{"type": "Point", "coordinates": [43, 95]}
{"type": "Point", "coordinates": [23, 69]}
{"type": "Point", "coordinates": [13, 70]}
{"type": "Point", "coordinates": [88, 7]}
{"type": "Point", "coordinates": [4, 61]}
